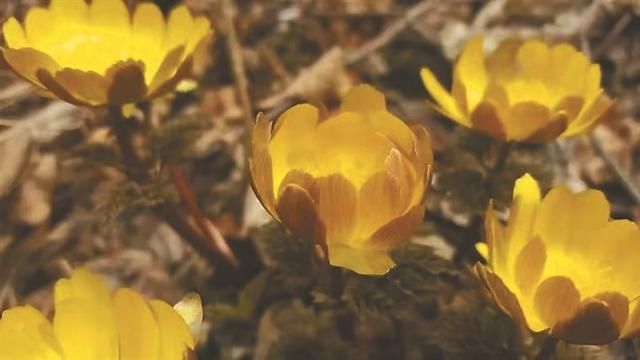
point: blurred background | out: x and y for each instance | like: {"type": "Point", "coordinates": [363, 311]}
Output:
{"type": "Point", "coordinates": [64, 201]}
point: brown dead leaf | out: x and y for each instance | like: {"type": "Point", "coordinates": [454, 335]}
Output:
{"type": "Point", "coordinates": [15, 152]}
{"type": "Point", "coordinates": [34, 204]}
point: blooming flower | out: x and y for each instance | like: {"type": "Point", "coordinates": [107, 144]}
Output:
{"type": "Point", "coordinates": [101, 54]}
{"type": "Point", "coordinates": [354, 181]}
{"type": "Point", "coordinates": [523, 91]}
{"type": "Point", "coordinates": [561, 264]}
{"type": "Point", "coordinates": [89, 323]}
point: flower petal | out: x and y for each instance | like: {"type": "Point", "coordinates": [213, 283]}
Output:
{"type": "Point", "coordinates": [486, 119]}
{"type": "Point", "coordinates": [298, 213]}
{"type": "Point", "coordinates": [58, 90]}
{"type": "Point", "coordinates": [447, 104]}
{"type": "Point", "coordinates": [526, 200]}
{"type": "Point", "coordinates": [592, 324]}
{"type": "Point", "coordinates": [556, 126]}
{"type": "Point", "coordinates": [179, 27]}
{"type": "Point", "coordinates": [505, 298]}
{"type": "Point", "coordinates": [70, 12]}
{"type": "Point", "coordinates": [25, 334]}
{"type": "Point", "coordinates": [260, 164]}
{"type": "Point", "coordinates": [400, 228]}
{"type": "Point", "coordinates": [139, 333]}
{"type": "Point", "coordinates": [126, 82]}
{"type": "Point", "coordinates": [590, 115]}
{"type": "Point", "coordinates": [529, 265]}
{"type": "Point", "coordinates": [14, 34]}
{"type": "Point", "coordinates": [190, 309]}
{"type": "Point", "coordinates": [167, 69]}
{"type": "Point", "coordinates": [363, 99]}
{"type": "Point", "coordinates": [337, 206]}
{"type": "Point", "coordinates": [556, 300]}
{"type": "Point", "coordinates": [88, 86]}
{"type": "Point", "coordinates": [27, 62]}
{"type": "Point", "coordinates": [472, 72]}
{"type": "Point", "coordinates": [38, 26]}
{"type": "Point", "coordinates": [175, 335]}
{"type": "Point", "coordinates": [82, 302]}
{"type": "Point", "coordinates": [527, 118]}
{"type": "Point", "coordinates": [496, 242]}
{"type": "Point", "coordinates": [363, 260]}
{"type": "Point", "coordinates": [112, 14]}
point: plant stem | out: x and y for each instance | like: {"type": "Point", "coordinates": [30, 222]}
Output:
{"type": "Point", "coordinates": [201, 240]}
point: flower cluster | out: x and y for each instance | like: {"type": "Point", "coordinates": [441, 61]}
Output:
{"type": "Point", "coordinates": [523, 91]}
{"type": "Point", "coordinates": [100, 53]}
{"type": "Point", "coordinates": [89, 323]}
{"type": "Point", "coordinates": [561, 264]}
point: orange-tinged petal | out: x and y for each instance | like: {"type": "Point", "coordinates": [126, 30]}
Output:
{"type": "Point", "coordinates": [363, 260]}
{"type": "Point", "coordinates": [555, 300]}
{"type": "Point", "coordinates": [26, 62]}
{"type": "Point", "coordinates": [25, 334]}
{"type": "Point", "coordinates": [126, 82]}
{"type": "Point", "coordinates": [394, 129]}
{"type": "Point", "coordinates": [298, 213]}
{"type": "Point", "coordinates": [399, 229]}
{"type": "Point", "coordinates": [591, 325]}
{"type": "Point", "coordinates": [486, 118]}
{"type": "Point", "coordinates": [14, 34]}
{"type": "Point", "coordinates": [337, 206]}
{"type": "Point", "coordinates": [557, 125]}
{"type": "Point", "coordinates": [139, 333]}
{"type": "Point", "coordinates": [526, 119]}
{"type": "Point", "coordinates": [88, 86]}
{"type": "Point", "coordinates": [48, 80]}
{"type": "Point", "coordinates": [471, 69]}
{"type": "Point", "coordinates": [446, 103]}
{"type": "Point", "coordinates": [618, 306]}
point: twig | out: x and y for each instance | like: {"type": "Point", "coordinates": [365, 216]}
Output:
{"type": "Point", "coordinates": [614, 165]}
{"type": "Point", "coordinates": [237, 61]}
{"type": "Point", "coordinates": [186, 194]}
{"type": "Point", "coordinates": [390, 32]}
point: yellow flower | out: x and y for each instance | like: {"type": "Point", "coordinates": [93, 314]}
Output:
{"type": "Point", "coordinates": [354, 181]}
{"type": "Point", "coordinates": [561, 264]}
{"type": "Point", "coordinates": [523, 91]}
{"type": "Point", "coordinates": [89, 323]}
{"type": "Point", "coordinates": [100, 54]}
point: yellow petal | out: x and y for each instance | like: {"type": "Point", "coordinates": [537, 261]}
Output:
{"type": "Point", "coordinates": [501, 63]}
{"type": "Point", "coordinates": [70, 12]}
{"type": "Point", "coordinates": [27, 335]}
{"type": "Point", "coordinates": [298, 213]}
{"type": "Point", "coordinates": [166, 70]}
{"type": "Point", "coordinates": [496, 241]}
{"type": "Point", "coordinates": [618, 305]}
{"type": "Point", "coordinates": [179, 26]}
{"type": "Point", "coordinates": [632, 327]}
{"type": "Point", "coordinates": [337, 206]}
{"type": "Point", "coordinates": [88, 86]}
{"type": "Point", "coordinates": [190, 309]}
{"type": "Point", "coordinates": [565, 220]}
{"type": "Point", "coordinates": [59, 91]}
{"type": "Point", "coordinates": [364, 260]}
{"type": "Point", "coordinates": [293, 133]}
{"type": "Point", "coordinates": [568, 68]}
{"type": "Point", "coordinates": [591, 325]}
{"type": "Point", "coordinates": [81, 302]}
{"type": "Point", "coordinates": [590, 115]}
{"type": "Point", "coordinates": [529, 265]}
{"type": "Point", "coordinates": [363, 99]}
{"type": "Point", "coordinates": [556, 126]}
{"type": "Point", "coordinates": [526, 199]}
{"type": "Point", "coordinates": [556, 300]}
{"type": "Point", "coordinates": [38, 24]}
{"type": "Point", "coordinates": [139, 334]}
{"type": "Point", "coordinates": [471, 69]}
{"type": "Point", "coordinates": [175, 334]}
{"type": "Point", "coordinates": [447, 104]}
{"type": "Point", "coordinates": [112, 14]}
{"type": "Point", "coordinates": [14, 34]}
{"type": "Point", "coordinates": [534, 60]}
{"type": "Point", "coordinates": [395, 129]}
{"type": "Point", "coordinates": [147, 28]}
{"type": "Point", "coordinates": [260, 164]}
